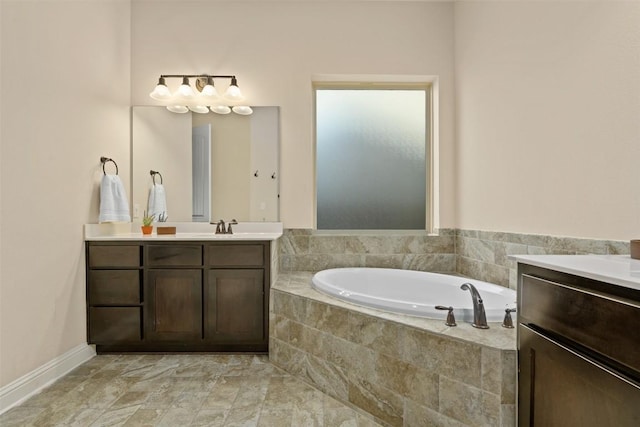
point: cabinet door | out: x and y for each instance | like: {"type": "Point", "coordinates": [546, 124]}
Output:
{"type": "Point", "coordinates": [234, 306]}
{"type": "Point", "coordinates": [114, 325]}
{"type": "Point", "coordinates": [114, 287]}
{"type": "Point", "coordinates": [173, 305]}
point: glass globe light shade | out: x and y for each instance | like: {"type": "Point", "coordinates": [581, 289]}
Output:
{"type": "Point", "coordinates": [209, 91]}
{"type": "Point", "coordinates": [185, 90]}
{"type": "Point", "coordinates": [161, 91]}
{"type": "Point", "coordinates": [220, 109]}
{"type": "Point", "coordinates": [233, 91]}
{"type": "Point", "coordinates": [177, 109]}
{"type": "Point", "coordinates": [243, 110]}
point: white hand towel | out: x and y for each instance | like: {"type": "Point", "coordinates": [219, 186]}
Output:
{"type": "Point", "coordinates": [157, 202]}
{"type": "Point", "coordinates": [114, 205]}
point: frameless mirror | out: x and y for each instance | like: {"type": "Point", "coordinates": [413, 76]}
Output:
{"type": "Point", "coordinates": [210, 166]}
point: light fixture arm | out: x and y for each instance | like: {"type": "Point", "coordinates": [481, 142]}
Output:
{"type": "Point", "coordinates": [180, 76]}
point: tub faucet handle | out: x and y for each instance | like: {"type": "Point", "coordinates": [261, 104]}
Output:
{"type": "Point", "coordinates": [508, 321]}
{"type": "Point", "coordinates": [451, 320]}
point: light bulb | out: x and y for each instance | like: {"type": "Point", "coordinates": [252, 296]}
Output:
{"type": "Point", "coordinates": [185, 91]}
{"type": "Point", "coordinates": [233, 91]}
{"type": "Point", "coordinates": [220, 109]}
{"type": "Point", "coordinates": [243, 110]}
{"type": "Point", "coordinates": [177, 109]}
{"type": "Point", "coordinates": [200, 109]}
{"type": "Point", "coordinates": [161, 91]}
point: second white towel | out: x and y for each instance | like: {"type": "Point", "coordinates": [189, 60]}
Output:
{"type": "Point", "coordinates": [157, 202]}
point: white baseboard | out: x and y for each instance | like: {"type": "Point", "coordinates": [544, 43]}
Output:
{"type": "Point", "coordinates": [29, 384]}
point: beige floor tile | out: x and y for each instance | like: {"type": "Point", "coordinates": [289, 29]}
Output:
{"type": "Point", "coordinates": [182, 390]}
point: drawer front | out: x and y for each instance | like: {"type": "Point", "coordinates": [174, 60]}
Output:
{"type": "Point", "coordinates": [114, 287]}
{"type": "Point", "coordinates": [114, 324]}
{"type": "Point", "coordinates": [174, 255]}
{"type": "Point", "coordinates": [583, 316]}
{"type": "Point", "coordinates": [114, 256]}
{"type": "Point", "coordinates": [236, 255]}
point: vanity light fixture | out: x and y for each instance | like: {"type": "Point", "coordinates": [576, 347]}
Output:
{"type": "Point", "coordinates": [202, 100]}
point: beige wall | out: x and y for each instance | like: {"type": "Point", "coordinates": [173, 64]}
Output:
{"type": "Point", "coordinates": [275, 47]}
{"type": "Point", "coordinates": [548, 117]}
{"type": "Point", "coordinates": [65, 102]}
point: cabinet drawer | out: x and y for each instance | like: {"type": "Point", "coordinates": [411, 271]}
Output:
{"type": "Point", "coordinates": [114, 287]}
{"type": "Point", "coordinates": [235, 255]}
{"type": "Point", "coordinates": [592, 319]}
{"type": "Point", "coordinates": [174, 255]}
{"type": "Point", "coordinates": [114, 256]}
{"type": "Point", "coordinates": [114, 324]}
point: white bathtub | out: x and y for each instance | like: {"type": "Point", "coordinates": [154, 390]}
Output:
{"type": "Point", "coordinates": [413, 292]}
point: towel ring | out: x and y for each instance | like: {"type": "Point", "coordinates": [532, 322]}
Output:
{"type": "Point", "coordinates": [153, 176]}
{"type": "Point", "coordinates": [104, 160]}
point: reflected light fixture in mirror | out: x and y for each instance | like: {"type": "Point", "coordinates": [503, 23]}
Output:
{"type": "Point", "coordinates": [243, 110]}
{"type": "Point", "coordinates": [202, 100]}
{"type": "Point", "coordinates": [177, 109]}
{"type": "Point", "coordinates": [200, 109]}
{"type": "Point", "coordinates": [220, 109]}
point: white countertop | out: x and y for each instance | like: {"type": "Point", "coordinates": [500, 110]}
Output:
{"type": "Point", "coordinates": [619, 270]}
{"type": "Point", "coordinates": [185, 231]}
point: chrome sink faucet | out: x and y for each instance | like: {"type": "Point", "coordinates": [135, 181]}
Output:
{"type": "Point", "coordinates": [220, 229]}
{"type": "Point", "coordinates": [479, 316]}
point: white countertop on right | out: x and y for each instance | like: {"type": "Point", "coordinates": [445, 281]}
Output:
{"type": "Point", "coordinates": [619, 270]}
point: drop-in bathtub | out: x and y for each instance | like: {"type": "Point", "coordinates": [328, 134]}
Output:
{"type": "Point", "coordinates": [413, 292]}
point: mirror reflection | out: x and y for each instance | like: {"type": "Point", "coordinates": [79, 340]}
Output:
{"type": "Point", "coordinates": [212, 166]}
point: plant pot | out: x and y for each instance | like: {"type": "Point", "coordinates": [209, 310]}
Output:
{"type": "Point", "coordinates": [147, 229]}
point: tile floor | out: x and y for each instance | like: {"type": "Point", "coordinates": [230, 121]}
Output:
{"type": "Point", "coordinates": [181, 390]}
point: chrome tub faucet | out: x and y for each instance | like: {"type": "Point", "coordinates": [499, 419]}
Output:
{"type": "Point", "coordinates": [479, 315]}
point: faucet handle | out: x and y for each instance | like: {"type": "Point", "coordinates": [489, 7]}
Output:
{"type": "Point", "coordinates": [229, 229]}
{"type": "Point", "coordinates": [451, 320]}
{"type": "Point", "coordinates": [508, 321]}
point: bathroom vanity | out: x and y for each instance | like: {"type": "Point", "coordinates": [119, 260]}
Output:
{"type": "Point", "coordinates": [578, 340]}
{"type": "Point", "coordinates": [189, 292]}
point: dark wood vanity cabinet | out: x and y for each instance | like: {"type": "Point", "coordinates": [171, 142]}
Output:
{"type": "Point", "coordinates": [579, 363]}
{"type": "Point", "coordinates": [178, 296]}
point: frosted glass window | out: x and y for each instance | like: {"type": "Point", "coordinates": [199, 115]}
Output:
{"type": "Point", "coordinates": [371, 159]}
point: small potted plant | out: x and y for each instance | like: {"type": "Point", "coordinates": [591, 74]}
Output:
{"type": "Point", "coordinates": [147, 220]}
